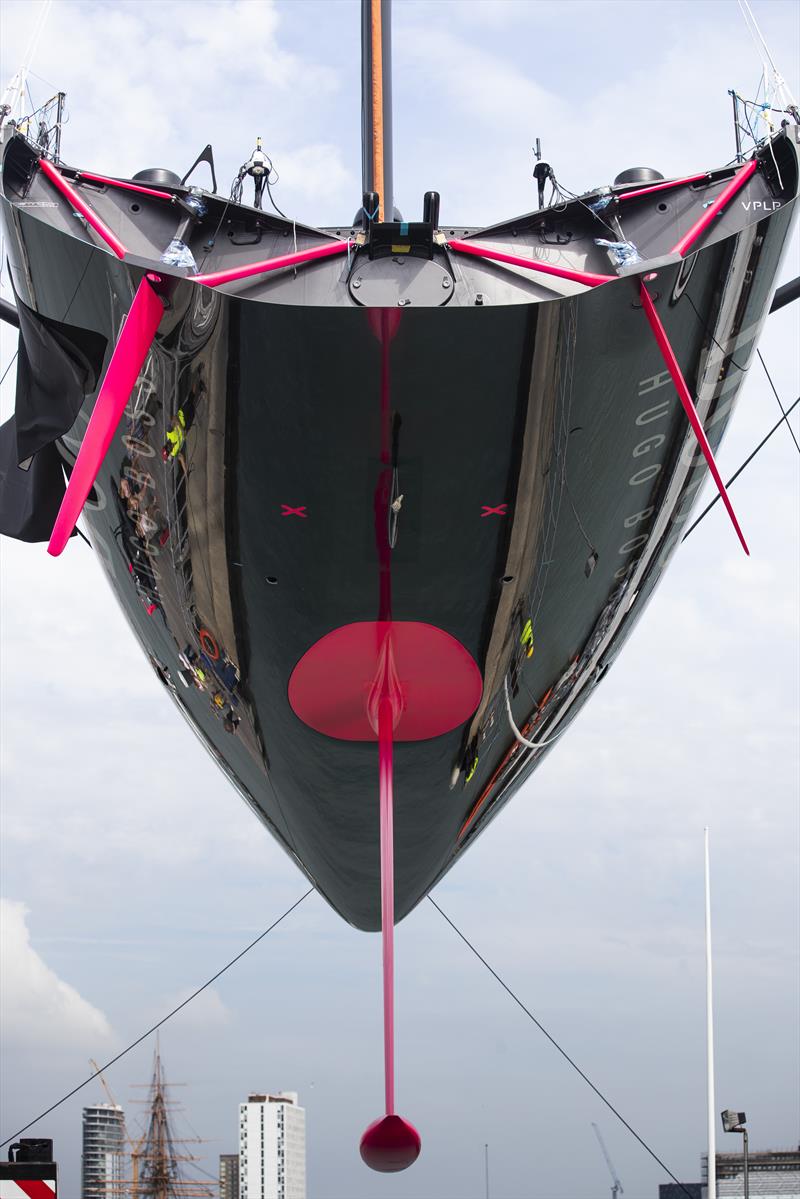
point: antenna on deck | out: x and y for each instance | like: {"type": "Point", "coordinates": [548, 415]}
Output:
{"type": "Point", "coordinates": [542, 171]}
{"type": "Point", "coordinates": [376, 106]}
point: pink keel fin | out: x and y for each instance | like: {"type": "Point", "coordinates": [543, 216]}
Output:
{"type": "Point", "coordinates": [674, 369]}
{"type": "Point", "coordinates": [135, 340]}
{"type": "Point", "coordinates": [390, 1143]}
{"type": "Point", "coordinates": [386, 711]}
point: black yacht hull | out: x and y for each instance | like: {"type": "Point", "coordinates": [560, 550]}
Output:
{"type": "Point", "coordinates": [546, 469]}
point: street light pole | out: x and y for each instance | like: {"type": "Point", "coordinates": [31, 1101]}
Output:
{"type": "Point", "coordinates": [710, 1099]}
{"type": "Point", "coordinates": [486, 1166]}
{"type": "Point", "coordinates": [735, 1122]}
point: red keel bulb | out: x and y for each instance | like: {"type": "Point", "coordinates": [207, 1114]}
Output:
{"type": "Point", "coordinates": [390, 1144]}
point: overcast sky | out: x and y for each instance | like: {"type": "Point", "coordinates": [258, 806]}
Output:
{"type": "Point", "coordinates": [132, 870]}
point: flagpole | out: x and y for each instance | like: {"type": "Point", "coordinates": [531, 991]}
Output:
{"type": "Point", "coordinates": [712, 1125]}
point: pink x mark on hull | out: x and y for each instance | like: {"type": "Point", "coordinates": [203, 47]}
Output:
{"type": "Point", "coordinates": [500, 510]}
{"type": "Point", "coordinates": [287, 510]}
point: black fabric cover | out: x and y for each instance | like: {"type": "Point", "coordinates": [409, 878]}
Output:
{"type": "Point", "coordinates": [29, 499]}
{"type": "Point", "coordinates": [58, 366]}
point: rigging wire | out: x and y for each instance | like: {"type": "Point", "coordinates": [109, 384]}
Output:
{"type": "Point", "coordinates": [8, 368]}
{"type": "Point", "coordinates": [556, 1045]}
{"type": "Point", "coordinates": [707, 330]}
{"type": "Point", "coordinates": [212, 241]}
{"type": "Point", "coordinates": [169, 1015]}
{"type": "Point", "coordinates": [763, 51]}
{"type": "Point", "coordinates": [746, 462]}
{"type": "Point", "coordinates": [778, 398]}
{"type": "Point", "coordinates": [565, 195]}
{"type": "Point", "coordinates": [272, 199]}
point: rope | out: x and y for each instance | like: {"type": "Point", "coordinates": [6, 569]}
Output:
{"type": "Point", "coordinates": [763, 51]}
{"type": "Point", "coordinates": [169, 1015]}
{"type": "Point", "coordinates": [746, 462]}
{"type": "Point", "coordinates": [778, 398]}
{"type": "Point", "coordinates": [556, 1045]}
{"type": "Point", "coordinates": [272, 199]}
{"type": "Point", "coordinates": [523, 740]}
{"type": "Point", "coordinates": [8, 368]}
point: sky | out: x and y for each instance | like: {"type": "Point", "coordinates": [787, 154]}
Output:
{"type": "Point", "coordinates": [132, 871]}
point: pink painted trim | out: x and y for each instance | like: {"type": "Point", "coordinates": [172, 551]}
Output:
{"type": "Point", "coordinates": [129, 187]}
{"type": "Point", "coordinates": [466, 247]}
{"type": "Point", "coordinates": [134, 341]}
{"type": "Point", "coordinates": [725, 196]}
{"type": "Point", "coordinates": [386, 716]}
{"type": "Point", "coordinates": [80, 205]}
{"type": "Point", "coordinates": [661, 187]}
{"type": "Point", "coordinates": [671, 363]}
{"type": "Point", "coordinates": [271, 264]}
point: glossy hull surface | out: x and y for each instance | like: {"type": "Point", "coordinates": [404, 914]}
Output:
{"type": "Point", "coordinates": [546, 470]}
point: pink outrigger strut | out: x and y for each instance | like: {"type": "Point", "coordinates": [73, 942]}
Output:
{"type": "Point", "coordinates": [671, 363]}
{"type": "Point", "coordinates": [79, 204]}
{"type": "Point", "coordinates": [233, 274]}
{"type": "Point", "coordinates": [723, 199]}
{"type": "Point", "coordinates": [129, 354]}
{"type": "Point", "coordinates": [531, 264]}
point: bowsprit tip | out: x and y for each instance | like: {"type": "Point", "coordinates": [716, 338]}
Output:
{"type": "Point", "coordinates": [390, 1144]}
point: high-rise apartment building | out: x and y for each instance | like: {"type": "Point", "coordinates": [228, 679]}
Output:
{"type": "Point", "coordinates": [103, 1159]}
{"type": "Point", "coordinates": [272, 1147]}
{"type": "Point", "coordinates": [229, 1176]}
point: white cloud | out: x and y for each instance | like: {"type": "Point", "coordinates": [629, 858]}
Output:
{"type": "Point", "coordinates": [134, 108]}
{"type": "Point", "coordinates": [38, 1007]}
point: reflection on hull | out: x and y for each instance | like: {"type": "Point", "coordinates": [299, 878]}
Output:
{"type": "Point", "coordinates": [528, 465]}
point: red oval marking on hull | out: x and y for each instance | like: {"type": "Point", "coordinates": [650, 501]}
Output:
{"type": "Point", "coordinates": [438, 678]}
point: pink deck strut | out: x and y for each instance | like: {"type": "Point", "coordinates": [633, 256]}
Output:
{"type": "Point", "coordinates": [723, 199]}
{"type": "Point", "coordinates": [134, 341]}
{"type": "Point", "coordinates": [544, 268]}
{"type": "Point", "coordinates": [80, 205]}
{"type": "Point", "coordinates": [674, 369]}
{"type": "Point", "coordinates": [128, 187]}
{"type": "Point", "coordinates": [661, 187]}
{"type": "Point", "coordinates": [271, 264]}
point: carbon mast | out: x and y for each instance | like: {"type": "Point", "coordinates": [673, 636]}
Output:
{"type": "Point", "coordinates": [376, 107]}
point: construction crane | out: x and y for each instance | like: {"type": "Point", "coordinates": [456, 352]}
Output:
{"type": "Point", "coordinates": [134, 1147]}
{"type": "Point", "coordinates": [616, 1187]}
